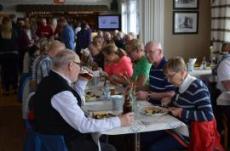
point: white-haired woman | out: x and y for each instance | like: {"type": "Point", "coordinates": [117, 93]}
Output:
{"type": "Point", "coordinates": [192, 104]}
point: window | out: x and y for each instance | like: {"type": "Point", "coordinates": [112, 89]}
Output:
{"type": "Point", "coordinates": [129, 16]}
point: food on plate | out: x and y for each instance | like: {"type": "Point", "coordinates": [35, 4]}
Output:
{"type": "Point", "coordinates": [154, 110]}
{"type": "Point", "coordinates": [100, 115]}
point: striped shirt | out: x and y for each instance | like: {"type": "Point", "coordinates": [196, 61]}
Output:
{"type": "Point", "coordinates": [157, 79]}
{"type": "Point", "coordinates": [194, 98]}
{"type": "Point", "coordinates": [41, 67]}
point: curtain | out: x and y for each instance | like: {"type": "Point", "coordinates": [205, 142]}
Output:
{"type": "Point", "coordinates": [220, 20]}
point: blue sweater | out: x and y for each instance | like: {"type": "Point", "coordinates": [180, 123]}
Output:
{"type": "Point", "coordinates": [194, 98]}
{"type": "Point", "coordinates": [67, 37]}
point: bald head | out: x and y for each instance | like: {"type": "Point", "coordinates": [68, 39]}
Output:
{"type": "Point", "coordinates": [154, 45]}
{"type": "Point", "coordinates": [154, 52]}
{"type": "Point", "coordinates": [55, 47]}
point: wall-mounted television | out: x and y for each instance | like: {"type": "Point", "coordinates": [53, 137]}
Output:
{"type": "Point", "coordinates": [109, 22]}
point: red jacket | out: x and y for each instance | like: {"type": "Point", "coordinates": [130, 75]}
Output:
{"type": "Point", "coordinates": [204, 137]}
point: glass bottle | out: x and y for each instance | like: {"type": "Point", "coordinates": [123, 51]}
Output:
{"type": "Point", "coordinates": [128, 107]}
{"type": "Point", "coordinates": [203, 63]}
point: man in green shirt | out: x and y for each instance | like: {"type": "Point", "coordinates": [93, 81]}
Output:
{"type": "Point", "coordinates": [141, 66]}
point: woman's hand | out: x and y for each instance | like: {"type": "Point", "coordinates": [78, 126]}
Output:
{"type": "Point", "coordinates": [176, 111]}
{"type": "Point", "coordinates": [165, 101]}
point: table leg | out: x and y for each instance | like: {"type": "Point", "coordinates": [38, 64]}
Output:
{"type": "Point", "coordinates": [137, 141]}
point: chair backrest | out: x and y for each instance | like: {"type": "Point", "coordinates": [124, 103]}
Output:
{"type": "Point", "coordinates": [53, 142]}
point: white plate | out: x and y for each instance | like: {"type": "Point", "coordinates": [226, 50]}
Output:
{"type": "Point", "coordinates": [153, 111]}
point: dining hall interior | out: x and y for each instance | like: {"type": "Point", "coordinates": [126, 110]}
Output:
{"type": "Point", "coordinates": [114, 75]}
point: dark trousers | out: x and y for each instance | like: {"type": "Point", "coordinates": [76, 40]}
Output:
{"type": "Point", "coordinates": [159, 141]}
{"type": "Point", "coordinates": [9, 71]}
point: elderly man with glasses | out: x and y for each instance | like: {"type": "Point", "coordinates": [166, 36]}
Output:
{"type": "Point", "coordinates": [57, 106]}
{"type": "Point", "coordinates": [159, 89]}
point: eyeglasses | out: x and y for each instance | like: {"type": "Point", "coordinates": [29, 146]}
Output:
{"type": "Point", "coordinates": [78, 63]}
{"type": "Point", "coordinates": [151, 52]}
{"type": "Point", "coordinates": [168, 76]}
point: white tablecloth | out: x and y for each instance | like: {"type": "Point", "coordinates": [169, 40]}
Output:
{"type": "Point", "coordinates": [143, 123]}
{"type": "Point", "coordinates": [201, 72]}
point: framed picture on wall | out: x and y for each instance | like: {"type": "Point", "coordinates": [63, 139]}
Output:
{"type": "Point", "coordinates": [185, 4]}
{"type": "Point", "coordinates": [185, 22]}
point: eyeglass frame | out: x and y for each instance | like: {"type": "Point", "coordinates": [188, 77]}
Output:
{"type": "Point", "coordinates": [171, 76]}
{"type": "Point", "coordinates": [78, 63]}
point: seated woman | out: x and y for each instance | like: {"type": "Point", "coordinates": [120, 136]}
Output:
{"type": "Point", "coordinates": [193, 106]}
{"type": "Point", "coordinates": [118, 65]}
{"type": "Point", "coordinates": [97, 56]}
{"type": "Point", "coordinates": [141, 65]}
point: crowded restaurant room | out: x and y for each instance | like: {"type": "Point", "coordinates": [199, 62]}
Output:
{"type": "Point", "coordinates": [115, 75]}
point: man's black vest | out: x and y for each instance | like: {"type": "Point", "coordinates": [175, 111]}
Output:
{"type": "Point", "coordinates": [47, 119]}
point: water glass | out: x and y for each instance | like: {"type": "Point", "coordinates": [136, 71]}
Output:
{"type": "Point", "coordinates": [118, 101]}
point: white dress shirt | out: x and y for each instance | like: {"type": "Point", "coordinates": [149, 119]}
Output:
{"type": "Point", "coordinates": [66, 105]}
{"type": "Point", "coordinates": [223, 73]}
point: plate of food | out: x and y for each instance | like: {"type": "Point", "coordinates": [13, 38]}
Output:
{"type": "Point", "coordinates": [102, 114]}
{"type": "Point", "coordinates": [90, 96]}
{"type": "Point", "coordinates": [154, 110]}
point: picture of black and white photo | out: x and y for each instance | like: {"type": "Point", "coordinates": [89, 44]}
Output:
{"type": "Point", "coordinates": [185, 22]}
{"type": "Point", "coordinates": [185, 4]}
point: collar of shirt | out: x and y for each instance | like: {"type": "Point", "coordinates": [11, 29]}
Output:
{"type": "Point", "coordinates": [161, 65]}
{"type": "Point", "coordinates": [67, 79]}
{"type": "Point", "coordinates": [186, 83]}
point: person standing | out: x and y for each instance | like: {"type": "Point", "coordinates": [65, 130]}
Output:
{"type": "Point", "coordinates": [66, 34]}
{"type": "Point", "coordinates": [8, 56]}
{"type": "Point", "coordinates": [44, 30]}
{"type": "Point", "coordinates": [83, 38]}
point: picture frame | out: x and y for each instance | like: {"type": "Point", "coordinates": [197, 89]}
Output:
{"type": "Point", "coordinates": [185, 4]}
{"type": "Point", "coordinates": [185, 22]}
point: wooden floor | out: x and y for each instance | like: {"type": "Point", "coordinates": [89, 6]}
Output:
{"type": "Point", "coordinates": [11, 124]}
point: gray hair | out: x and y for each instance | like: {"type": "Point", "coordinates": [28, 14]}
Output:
{"type": "Point", "coordinates": [155, 44]}
{"type": "Point", "coordinates": [63, 58]}
{"type": "Point", "coordinates": [135, 44]}
{"type": "Point", "coordinates": [54, 47]}
{"type": "Point", "coordinates": [175, 64]}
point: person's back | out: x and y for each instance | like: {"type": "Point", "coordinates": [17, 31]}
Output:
{"type": "Point", "coordinates": [83, 39]}
{"type": "Point", "coordinates": [68, 37]}
{"type": "Point", "coordinates": [43, 63]}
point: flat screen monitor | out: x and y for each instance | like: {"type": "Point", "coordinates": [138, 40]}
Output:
{"type": "Point", "coordinates": [109, 22]}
